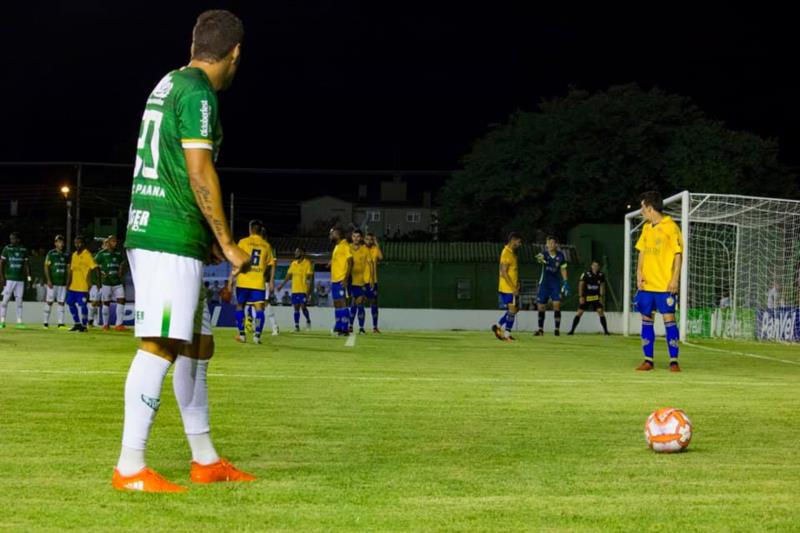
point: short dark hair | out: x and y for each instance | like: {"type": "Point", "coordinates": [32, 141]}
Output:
{"type": "Point", "coordinates": [357, 231]}
{"type": "Point", "coordinates": [256, 225]}
{"type": "Point", "coordinates": [215, 34]}
{"type": "Point", "coordinates": [13, 234]}
{"type": "Point", "coordinates": [653, 199]}
{"type": "Point", "coordinates": [595, 261]}
{"type": "Point", "coordinates": [514, 235]}
{"type": "Point", "coordinates": [551, 237]}
{"type": "Point", "coordinates": [370, 234]}
{"type": "Point", "coordinates": [301, 249]}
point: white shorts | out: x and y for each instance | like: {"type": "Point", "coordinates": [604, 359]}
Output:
{"type": "Point", "coordinates": [109, 293]}
{"type": "Point", "coordinates": [15, 289]}
{"type": "Point", "coordinates": [202, 319]}
{"type": "Point", "coordinates": [94, 294]}
{"type": "Point", "coordinates": [57, 294]}
{"type": "Point", "coordinates": [168, 294]}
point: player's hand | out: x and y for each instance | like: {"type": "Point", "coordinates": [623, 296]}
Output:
{"type": "Point", "coordinates": [49, 285]}
{"type": "Point", "coordinates": [640, 284]}
{"type": "Point", "coordinates": [582, 300]}
{"type": "Point", "coordinates": [540, 258]}
{"type": "Point", "coordinates": [236, 257]}
{"type": "Point", "coordinates": [565, 288]}
{"type": "Point", "coordinates": [672, 288]}
{"type": "Point", "coordinates": [217, 256]}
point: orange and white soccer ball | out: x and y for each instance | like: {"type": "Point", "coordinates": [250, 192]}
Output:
{"type": "Point", "coordinates": [668, 430]}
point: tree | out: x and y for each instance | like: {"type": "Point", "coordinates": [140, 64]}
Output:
{"type": "Point", "coordinates": [583, 157]}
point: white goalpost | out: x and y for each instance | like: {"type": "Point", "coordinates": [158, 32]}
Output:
{"type": "Point", "coordinates": [741, 266]}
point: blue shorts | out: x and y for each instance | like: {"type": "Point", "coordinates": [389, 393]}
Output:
{"type": "Point", "coordinates": [648, 302]}
{"type": "Point", "coordinates": [337, 291]}
{"type": "Point", "coordinates": [372, 291]}
{"type": "Point", "coordinates": [548, 291]}
{"type": "Point", "coordinates": [250, 296]}
{"type": "Point", "coordinates": [357, 291]}
{"type": "Point", "coordinates": [506, 299]}
{"type": "Point", "coordinates": [299, 298]}
{"type": "Point", "coordinates": [79, 298]}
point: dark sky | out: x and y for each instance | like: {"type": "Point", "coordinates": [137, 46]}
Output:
{"type": "Point", "coordinates": [380, 84]}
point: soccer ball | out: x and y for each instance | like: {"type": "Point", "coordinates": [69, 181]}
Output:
{"type": "Point", "coordinates": [668, 430]}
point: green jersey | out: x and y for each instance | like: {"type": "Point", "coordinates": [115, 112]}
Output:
{"type": "Point", "coordinates": [14, 260]}
{"type": "Point", "coordinates": [181, 113]}
{"type": "Point", "coordinates": [110, 264]}
{"type": "Point", "coordinates": [56, 264]}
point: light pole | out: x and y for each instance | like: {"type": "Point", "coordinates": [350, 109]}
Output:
{"type": "Point", "coordinates": [65, 193]}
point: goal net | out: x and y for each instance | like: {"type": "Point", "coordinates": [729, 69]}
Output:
{"type": "Point", "coordinates": [741, 270]}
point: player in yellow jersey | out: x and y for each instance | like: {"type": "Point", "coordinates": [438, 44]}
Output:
{"type": "Point", "coordinates": [360, 277]}
{"type": "Point", "coordinates": [374, 248]}
{"type": "Point", "coordinates": [658, 275]}
{"type": "Point", "coordinates": [301, 274]}
{"type": "Point", "coordinates": [508, 288]}
{"type": "Point", "coordinates": [81, 268]}
{"type": "Point", "coordinates": [251, 285]}
{"type": "Point", "coordinates": [341, 264]}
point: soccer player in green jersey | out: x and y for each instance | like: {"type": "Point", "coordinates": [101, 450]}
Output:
{"type": "Point", "coordinates": [112, 269]}
{"type": "Point", "coordinates": [14, 271]}
{"type": "Point", "coordinates": [176, 210]}
{"type": "Point", "coordinates": [55, 274]}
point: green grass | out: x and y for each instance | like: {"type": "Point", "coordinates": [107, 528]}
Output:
{"type": "Point", "coordinates": [409, 432]}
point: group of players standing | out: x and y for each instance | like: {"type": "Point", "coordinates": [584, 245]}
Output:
{"type": "Point", "coordinates": [553, 284]}
{"type": "Point", "coordinates": [84, 283]}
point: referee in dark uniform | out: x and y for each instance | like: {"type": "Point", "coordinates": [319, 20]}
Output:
{"type": "Point", "coordinates": [591, 295]}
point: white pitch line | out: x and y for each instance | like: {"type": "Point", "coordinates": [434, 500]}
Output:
{"type": "Point", "coordinates": [744, 354]}
{"type": "Point", "coordinates": [351, 340]}
{"type": "Point", "coordinates": [651, 380]}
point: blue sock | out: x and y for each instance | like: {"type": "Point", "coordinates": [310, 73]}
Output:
{"type": "Point", "coordinates": [297, 319]}
{"type": "Point", "coordinates": [362, 316]}
{"type": "Point", "coordinates": [307, 315]}
{"type": "Point", "coordinates": [84, 313]}
{"type": "Point", "coordinates": [503, 320]}
{"type": "Point", "coordinates": [73, 309]}
{"type": "Point", "coordinates": [342, 319]}
{"type": "Point", "coordinates": [374, 310]}
{"type": "Point", "coordinates": [672, 340]}
{"type": "Point", "coordinates": [648, 339]}
{"type": "Point", "coordinates": [240, 320]}
{"type": "Point", "coordinates": [259, 322]}
{"type": "Point", "coordinates": [352, 315]}
{"type": "Point", "coordinates": [510, 321]}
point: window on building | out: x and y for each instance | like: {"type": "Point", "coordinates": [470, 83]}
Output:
{"type": "Point", "coordinates": [413, 217]}
{"type": "Point", "coordinates": [373, 216]}
{"type": "Point", "coordinates": [464, 289]}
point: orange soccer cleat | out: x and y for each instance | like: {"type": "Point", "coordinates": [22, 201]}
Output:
{"type": "Point", "coordinates": [120, 328]}
{"type": "Point", "coordinates": [645, 367]}
{"type": "Point", "coordinates": [106, 327]}
{"type": "Point", "coordinates": [222, 470]}
{"type": "Point", "coordinates": [674, 367]}
{"type": "Point", "coordinates": [145, 480]}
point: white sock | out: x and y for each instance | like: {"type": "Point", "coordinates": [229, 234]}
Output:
{"type": "Point", "coordinates": [142, 399]}
{"type": "Point", "coordinates": [120, 313]}
{"type": "Point", "coordinates": [19, 311]}
{"type": "Point", "coordinates": [190, 384]}
{"type": "Point", "coordinates": [271, 317]}
{"type": "Point", "coordinates": [106, 313]}
{"type": "Point", "coordinates": [47, 308]}
{"type": "Point", "coordinates": [60, 313]}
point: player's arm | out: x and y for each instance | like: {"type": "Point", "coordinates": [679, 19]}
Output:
{"type": "Point", "coordinates": [639, 274]}
{"type": "Point", "coordinates": [204, 181]}
{"type": "Point", "coordinates": [506, 277]}
{"type": "Point", "coordinates": [47, 277]}
{"type": "Point", "coordinates": [581, 290]}
{"type": "Point", "coordinates": [273, 267]}
{"type": "Point", "coordinates": [675, 282]}
{"type": "Point", "coordinates": [98, 274]}
{"type": "Point", "coordinates": [2, 269]}
{"type": "Point", "coordinates": [286, 279]}
{"type": "Point", "coordinates": [379, 256]}
{"type": "Point", "coordinates": [603, 291]}
{"type": "Point", "coordinates": [122, 266]}
{"type": "Point", "coordinates": [27, 269]}
{"type": "Point", "coordinates": [564, 281]}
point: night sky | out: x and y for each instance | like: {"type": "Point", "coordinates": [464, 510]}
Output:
{"type": "Point", "coordinates": [376, 85]}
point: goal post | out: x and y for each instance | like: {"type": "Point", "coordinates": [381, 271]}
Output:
{"type": "Point", "coordinates": [740, 276]}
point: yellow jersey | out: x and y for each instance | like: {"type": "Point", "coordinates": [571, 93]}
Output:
{"type": "Point", "coordinates": [300, 272]}
{"type": "Point", "coordinates": [658, 245]}
{"type": "Point", "coordinates": [81, 266]}
{"type": "Point", "coordinates": [341, 253]}
{"type": "Point", "coordinates": [375, 252]}
{"type": "Point", "coordinates": [261, 258]}
{"type": "Point", "coordinates": [509, 257]}
{"type": "Point", "coordinates": [362, 265]}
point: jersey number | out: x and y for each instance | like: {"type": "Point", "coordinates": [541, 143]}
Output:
{"type": "Point", "coordinates": [255, 257]}
{"type": "Point", "coordinates": [151, 126]}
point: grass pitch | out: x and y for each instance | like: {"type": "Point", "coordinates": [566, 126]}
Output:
{"type": "Point", "coordinates": [410, 432]}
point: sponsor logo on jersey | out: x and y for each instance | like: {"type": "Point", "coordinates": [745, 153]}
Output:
{"type": "Point", "coordinates": [140, 189]}
{"type": "Point", "coordinates": [205, 111]}
{"type": "Point", "coordinates": [152, 403]}
{"type": "Point", "coordinates": [163, 88]}
{"type": "Point", "coordinates": [138, 219]}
